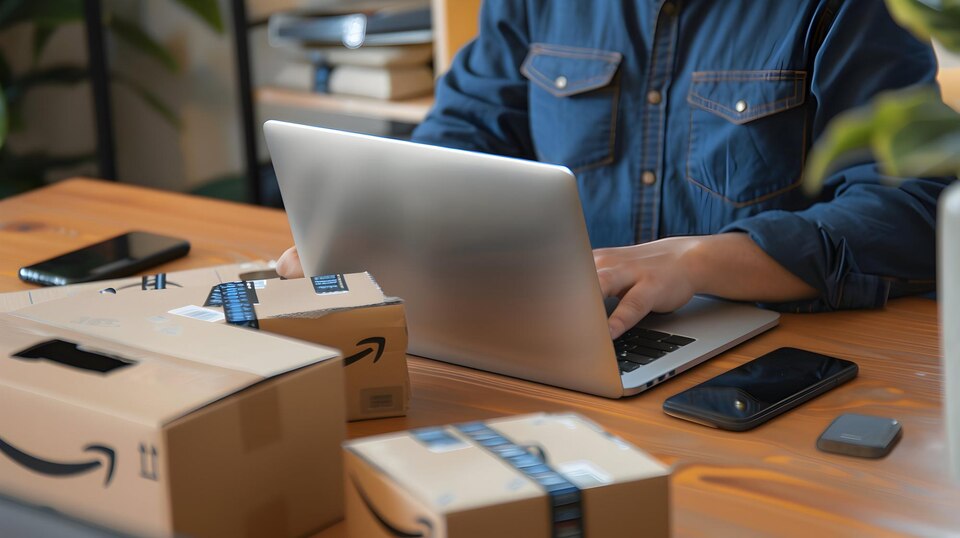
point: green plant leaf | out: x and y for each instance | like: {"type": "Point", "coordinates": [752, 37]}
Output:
{"type": "Point", "coordinates": [41, 36]}
{"type": "Point", "coordinates": [64, 75]}
{"type": "Point", "coordinates": [150, 98]}
{"type": "Point", "coordinates": [17, 88]}
{"type": "Point", "coordinates": [939, 19]}
{"type": "Point", "coordinates": [207, 10]}
{"type": "Point", "coordinates": [41, 12]}
{"type": "Point", "coordinates": [846, 138]}
{"type": "Point", "coordinates": [920, 136]}
{"type": "Point", "coordinates": [132, 34]}
{"type": "Point", "coordinates": [3, 117]}
{"type": "Point", "coordinates": [910, 132]}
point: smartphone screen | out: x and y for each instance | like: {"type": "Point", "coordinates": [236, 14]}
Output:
{"type": "Point", "coordinates": [761, 389]}
{"type": "Point", "coordinates": [116, 257]}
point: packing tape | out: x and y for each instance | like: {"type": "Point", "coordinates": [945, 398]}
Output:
{"type": "Point", "coordinates": [154, 282]}
{"type": "Point", "coordinates": [238, 299]}
{"type": "Point", "coordinates": [565, 497]}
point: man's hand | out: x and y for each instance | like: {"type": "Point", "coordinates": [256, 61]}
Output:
{"type": "Point", "coordinates": [288, 266]}
{"type": "Point", "coordinates": [652, 277]}
{"type": "Point", "coordinates": [663, 275]}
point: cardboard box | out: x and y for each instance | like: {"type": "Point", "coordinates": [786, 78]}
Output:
{"type": "Point", "coordinates": [206, 276]}
{"type": "Point", "coordinates": [347, 312]}
{"type": "Point", "coordinates": [533, 476]}
{"type": "Point", "coordinates": [160, 424]}
{"type": "Point", "coordinates": [360, 320]}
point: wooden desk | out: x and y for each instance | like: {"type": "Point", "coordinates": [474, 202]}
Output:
{"type": "Point", "coordinates": [769, 481]}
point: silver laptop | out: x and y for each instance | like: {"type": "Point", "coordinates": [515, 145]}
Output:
{"type": "Point", "coordinates": [491, 257]}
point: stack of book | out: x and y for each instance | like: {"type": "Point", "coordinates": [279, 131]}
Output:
{"type": "Point", "coordinates": [384, 53]}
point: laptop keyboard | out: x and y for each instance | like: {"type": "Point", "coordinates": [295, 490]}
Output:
{"type": "Point", "coordinates": [638, 347]}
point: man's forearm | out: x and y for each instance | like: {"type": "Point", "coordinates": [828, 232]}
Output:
{"type": "Point", "coordinates": [732, 266]}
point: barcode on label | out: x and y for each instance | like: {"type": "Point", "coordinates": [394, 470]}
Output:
{"type": "Point", "coordinates": [198, 312]}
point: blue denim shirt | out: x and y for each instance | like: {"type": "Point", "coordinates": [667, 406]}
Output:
{"type": "Point", "coordinates": [685, 117]}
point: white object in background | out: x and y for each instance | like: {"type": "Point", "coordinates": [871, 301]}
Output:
{"type": "Point", "coordinates": [949, 298]}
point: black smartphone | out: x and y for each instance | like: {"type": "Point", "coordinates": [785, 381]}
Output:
{"type": "Point", "coordinates": [120, 256]}
{"type": "Point", "coordinates": [755, 392]}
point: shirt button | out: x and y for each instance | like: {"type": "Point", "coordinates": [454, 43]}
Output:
{"type": "Point", "coordinates": [648, 178]}
{"type": "Point", "coordinates": [654, 97]}
{"type": "Point", "coordinates": [560, 82]}
{"type": "Point", "coordinates": [668, 9]}
{"type": "Point", "coordinates": [740, 106]}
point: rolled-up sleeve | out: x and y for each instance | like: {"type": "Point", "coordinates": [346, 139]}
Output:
{"type": "Point", "coordinates": [869, 238]}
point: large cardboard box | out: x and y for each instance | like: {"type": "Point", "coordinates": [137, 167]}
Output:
{"type": "Point", "coordinates": [206, 276]}
{"type": "Point", "coordinates": [533, 476]}
{"type": "Point", "coordinates": [155, 424]}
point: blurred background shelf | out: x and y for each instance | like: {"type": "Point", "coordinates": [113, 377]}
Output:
{"type": "Point", "coordinates": [408, 110]}
{"type": "Point", "coordinates": [172, 94]}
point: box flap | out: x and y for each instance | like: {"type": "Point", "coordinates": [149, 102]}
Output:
{"type": "Point", "coordinates": [205, 276]}
{"type": "Point", "coordinates": [580, 449]}
{"type": "Point", "coordinates": [143, 386]}
{"type": "Point", "coordinates": [156, 320]}
{"type": "Point", "coordinates": [453, 477]}
{"type": "Point", "coordinates": [310, 297]}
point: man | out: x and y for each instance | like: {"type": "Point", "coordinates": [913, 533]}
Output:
{"type": "Point", "coordinates": [687, 124]}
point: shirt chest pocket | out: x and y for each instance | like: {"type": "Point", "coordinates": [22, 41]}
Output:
{"type": "Point", "coordinates": [748, 133]}
{"type": "Point", "coordinates": [573, 104]}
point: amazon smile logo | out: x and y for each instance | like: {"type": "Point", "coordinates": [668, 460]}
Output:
{"type": "Point", "coordinates": [375, 342]}
{"type": "Point", "coordinates": [62, 469]}
{"type": "Point", "coordinates": [427, 525]}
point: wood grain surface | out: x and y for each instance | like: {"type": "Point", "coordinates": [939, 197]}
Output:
{"type": "Point", "coordinates": [771, 481]}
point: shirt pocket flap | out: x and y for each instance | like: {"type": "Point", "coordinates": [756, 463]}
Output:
{"type": "Point", "coordinates": [744, 96]}
{"type": "Point", "coordinates": [564, 71]}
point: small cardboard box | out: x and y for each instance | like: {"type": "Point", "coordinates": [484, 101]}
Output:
{"type": "Point", "coordinates": [348, 312]}
{"type": "Point", "coordinates": [161, 424]}
{"type": "Point", "coordinates": [534, 476]}
{"type": "Point", "coordinates": [206, 276]}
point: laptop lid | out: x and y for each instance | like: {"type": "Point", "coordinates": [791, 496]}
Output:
{"type": "Point", "coordinates": [490, 254]}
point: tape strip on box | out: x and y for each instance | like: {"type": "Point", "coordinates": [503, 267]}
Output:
{"type": "Point", "coordinates": [215, 298]}
{"type": "Point", "coordinates": [238, 300]}
{"type": "Point", "coordinates": [565, 497]}
{"type": "Point", "coordinates": [154, 282]}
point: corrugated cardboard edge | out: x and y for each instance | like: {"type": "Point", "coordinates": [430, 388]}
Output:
{"type": "Point", "coordinates": [322, 312]}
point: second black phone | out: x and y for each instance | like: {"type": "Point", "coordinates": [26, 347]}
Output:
{"type": "Point", "coordinates": [120, 256]}
{"type": "Point", "coordinates": [756, 391]}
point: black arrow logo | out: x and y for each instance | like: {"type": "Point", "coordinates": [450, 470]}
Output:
{"type": "Point", "coordinates": [53, 468]}
{"type": "Point", "coordinates": [379, 341]}
{"type": "Point", "coordinates": [394, 531]}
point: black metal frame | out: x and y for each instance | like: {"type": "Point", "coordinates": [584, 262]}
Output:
{"type": "Point", "coordinates": [100, 87]}
{"type": "Point", "coordinates": [241, 42]}
{"type": "Point", "coordinates": [103, 113]}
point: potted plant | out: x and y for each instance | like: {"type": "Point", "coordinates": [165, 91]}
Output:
{"type": "Point", "coordinates": [910, 132]}
{"type": "Point", "coordinates": [19, 172]}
